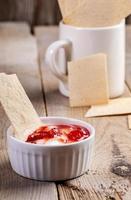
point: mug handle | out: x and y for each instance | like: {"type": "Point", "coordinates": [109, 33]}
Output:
{"type": "Point", "coordinates": [51, 55]}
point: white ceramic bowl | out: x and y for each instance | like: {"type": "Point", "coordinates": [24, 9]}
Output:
{"type": "Point", "coordinates": [51, 163]}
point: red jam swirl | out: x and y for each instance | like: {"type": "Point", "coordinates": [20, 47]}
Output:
{"type": "Point", "coordinates": [61, 133]}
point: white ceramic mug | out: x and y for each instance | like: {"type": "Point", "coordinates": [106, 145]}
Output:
{"type": "Point", "coordinates": [76, 42]}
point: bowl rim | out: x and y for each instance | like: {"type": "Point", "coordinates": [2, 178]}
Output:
{"type": "Point", "coordinates": [85, 124]}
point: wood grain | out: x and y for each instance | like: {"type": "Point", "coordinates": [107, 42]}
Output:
{"type": "Point", "coordinates": [21, 59]}
{"type": "Point", "coordinates": [110, 174]}
{"type": "Point", "coordinates": [17, 10]}
{"type": "Point", "coordinates": [47, 12]}
{"type": "Point", "coordinates": [31, 11]}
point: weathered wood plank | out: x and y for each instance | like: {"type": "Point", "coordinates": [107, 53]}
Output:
{"type": "Point", "coordinates": [31, 11]}
{"type": "Point", "coordinates": [18, 54]}
{"type": "Point", "coordinates": [13, 31]}
{"type": "Point", "coordinates": [110, 174]}
{"type": "Point", "coordinates": [47, 12]}
{"type": "Point", "coordinates": [17, 10]}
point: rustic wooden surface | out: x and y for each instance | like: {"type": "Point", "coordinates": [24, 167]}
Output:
{"type": "Point", "coordinates": [110, 174]}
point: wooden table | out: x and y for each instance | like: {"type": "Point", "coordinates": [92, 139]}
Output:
{"type": "Point", "coordinates": [110, 174]}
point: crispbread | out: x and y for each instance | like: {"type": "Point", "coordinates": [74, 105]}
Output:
{"type": "Point", "coordinates": [88, 83]}
{"type": "Point", "coordinates": [117, 106]}
{"type": "Point", "coordinates": [92, 13]}
{"type": "Point", "coordinates": [67, 6]}
{"type": "Point", "coordinates": [17, 106]}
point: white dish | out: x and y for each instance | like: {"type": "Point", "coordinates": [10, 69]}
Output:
{"type": "Point", "coordinates": [51, 162]}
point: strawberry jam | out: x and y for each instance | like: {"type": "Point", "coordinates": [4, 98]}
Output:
{"type": "Point", "coordinates": [58, 133]}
